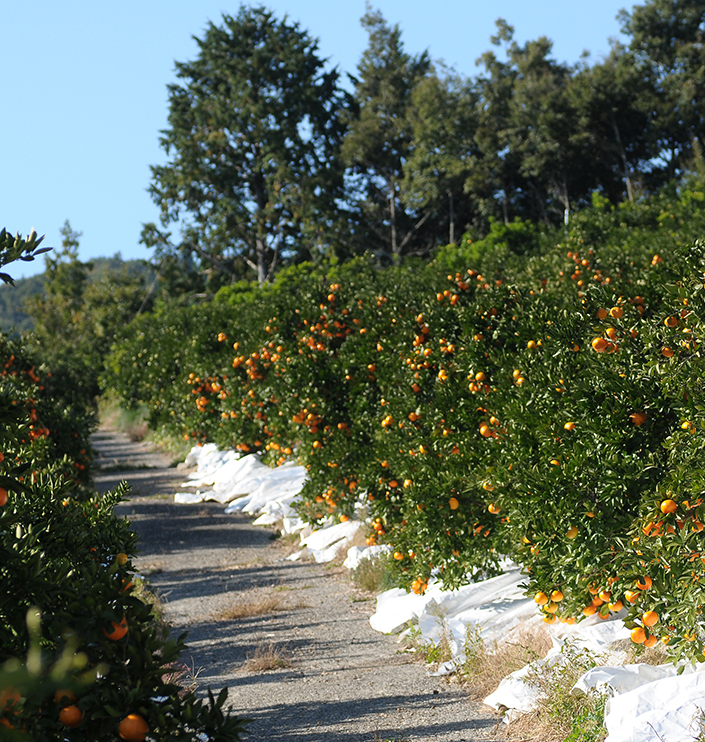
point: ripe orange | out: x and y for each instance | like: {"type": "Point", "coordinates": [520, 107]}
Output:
{"type": "Point", "coordinates": [343, 518]}
{"type": "Point", "coordinates": [605, 596]}
{"type": "Point", "coordinates": [572, 532]}
{"type": "Point", "coordinates": [454, 504]}
{"type": "Point", "coordinates": [671, 321]}
{"type": "Point", "coordinates": [616, 606]}
{"type": "Point", "coordinates": [650, 618]}
{"type": "Point", "coordinates": [589, 610]}
{"type": "Point", "coordinates": [668, 507]}
{"type": "Point", "coordinates": [398, 555]}
{"type": "Point", "coordinates": [556, 596]}
{"type": "Point", "coordinates": [70, 716]}
{"type": "Point", "coordinates": [599, 345]}
{"type": "Point", "coordinates": [541, 598]}
{"type": "Point", "coordinates": [601, 313]}
{"type": "Point", "coordinates": [64, 696]}
{"type": "Point", "coordinates": [121, 559]}
{"type": "Point", "coordinates": [133, 728]}
{"type": "Point", "coordinates": [569, 426]}
{"type": "Point", "coordinates": [3, 496]}
{"type": "Point", "coordinates": [667, 352]}
{"type": "Point", "coordinates": [8, 698]}
{"type": "Point", "coordinates": [644, 583]}
{"type": "Point", "coordinates": [616, 312]}
{"type": "Point", "coordinates": [638, 635]}
{"type": "Point", "coordinates": [638, 418]}
{"type": "Point", "coordinates": [117, 631]}
{"type": "Point", "coordinates": [549, 618]}
{"type": "Point", "coordinates": [631, 596]}
{"type": "Point", "coordinates": [493, 508]}
{"type": "Point", "coordinates": [650, 641]}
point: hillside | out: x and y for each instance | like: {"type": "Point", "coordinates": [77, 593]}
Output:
{"type": "Point", "coordinates": [12, 298]}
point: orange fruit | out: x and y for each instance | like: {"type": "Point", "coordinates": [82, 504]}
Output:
{"type": "Point", "coordinates": [541, 598]}
{"type": "Point", "coordinates": [638, 418]}
{"type": "Point", "coordinates": [650, 641]}
{"type": "Point", "coordinates": [493, 508]}
{"type": "Point", "coordinates": [668, 507]}
{"type": "Point", "coordinates": [64, 696]}
{"type": "Point", "coordinates": [3, 496]}
{"type": "Point", "coordinates": [631, 596]}
{"type": "Point", "coordinates": [121, 559]}
{"type": "Point", "coordinates": [601, 313]}
{"type": "Point", "coordinates": [398, 555]}
{"type": "Point", "coordinates": [599, 345]}
{"type": "Point", "coordinates": [616, 312]}
{"type": "Point", "coordinates": [343, 518]}
{"type": "Point", "coordinates": [667, 352]}
{"type": "Point", "coordinates": [569, 426]}
{"type": "Point", "coordinates": [572, 532]}
{"type": "Point", "coordinates": [8, 698]}
{"type": "Point", "coordinates": [589, 610]}
{"type": "Point", "coordinates": [605, 596]}
{"type": "Point", "coordinates": [638, 635]}
{"type": "Point", "coordinates": [556, 596]}
{"type": "Point", "coordinates": [671, 321]}
{"type": "Point", "coordinates": [644, 583]}
{"type": "Point", "coordinates": [133, 728]}
{"type": "Point", "coordinates": [650, 618]}
{"type": "Point", "coordinates": [454, 503]}
{"type": "Point", "coordinates": [531, 344]}
{"type": "Point", "coordinates": [550, 607]}
{"type": "Point", "coordinates": [117, 631]}
{"type": "Point", "coordinates": [70, 716]}
{"type": "Point", "coordinates": [549, 618]}
{"type": "Point", "coordinates": [616, 606]}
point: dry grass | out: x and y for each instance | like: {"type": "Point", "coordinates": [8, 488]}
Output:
{"type": "Point", "coordinates": [268, 656]}
{"type": "Point", "coordinates": [258, 603]}
{"type": "Point", "coordinates": [486, 666]}
{"type": "Point", "coordinates": [249, 606]}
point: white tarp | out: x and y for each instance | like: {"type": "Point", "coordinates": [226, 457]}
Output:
{"type": "Point", "coordinates": [648, 703]}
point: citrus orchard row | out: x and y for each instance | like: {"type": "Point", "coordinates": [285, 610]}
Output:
{"type": "Point", "coordinates": [541, 405]}
{"type": "Point", "coordinates": [82, 656]}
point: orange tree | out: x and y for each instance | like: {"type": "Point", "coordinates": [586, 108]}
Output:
{"type": "Point", "coordinates": [67, 604]}
{"type": "Point", "coordinates": [531, 405]}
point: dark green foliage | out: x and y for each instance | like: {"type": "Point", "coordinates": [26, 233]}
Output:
{"type": "Point", "coordinates": [253, 140]}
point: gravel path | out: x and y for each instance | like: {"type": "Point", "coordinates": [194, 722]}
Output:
{"type": "Point", "coordinates": [226, 583]}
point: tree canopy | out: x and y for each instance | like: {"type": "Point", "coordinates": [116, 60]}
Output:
{"type": "Point", "coordinates": [254, 171]}
{"type": "Point", "coordinates": [271, 163]}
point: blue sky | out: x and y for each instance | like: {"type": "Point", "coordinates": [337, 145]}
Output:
{"type": "Point", "coordinates": [84, 90]}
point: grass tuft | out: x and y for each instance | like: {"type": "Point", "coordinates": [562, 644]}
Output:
{"type": "Point", "coordinates": [560, 716]}
{"type": "Point", "coordinates": [374, 575]}
{"type": "Point", "coordinates": [268, 657]}
{"type": "Point", "coordinates": [248, 608]}
{"type": "Point", "coordinates": [486, 666]}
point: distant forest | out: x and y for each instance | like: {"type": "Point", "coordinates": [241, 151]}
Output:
{"type": "Point", "coordinates": [13, 299]}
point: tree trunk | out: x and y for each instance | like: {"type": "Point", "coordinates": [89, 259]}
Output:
{"type": "Point", "coordinates": [393, 221]}
{"type": "Point", "coordinates": [261, 250]}
{"type": "Point", "coordinates": [451, 230]}
{"type": "Point", "coordinates": [625, 162]}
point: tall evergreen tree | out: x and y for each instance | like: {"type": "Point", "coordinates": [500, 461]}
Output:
{"type": "Point", "coordinates": [254, 175]}
{"type": "Point", "coordinates": [668, 48]}
{"type": "Point", "coordinates": [379, 139]}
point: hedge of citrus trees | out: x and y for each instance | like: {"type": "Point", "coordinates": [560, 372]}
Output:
{"type": "Point", "coordinates": [81, 656]}
{"type": "Point", "coordinates": [536, 395]}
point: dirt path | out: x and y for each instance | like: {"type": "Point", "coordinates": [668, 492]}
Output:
{"type": "Point", "coordinates": [226, 582]}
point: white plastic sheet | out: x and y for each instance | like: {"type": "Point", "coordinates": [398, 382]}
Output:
{"type": "Point", "coordinates": [649, 703]}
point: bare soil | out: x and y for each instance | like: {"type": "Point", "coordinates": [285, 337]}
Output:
{"type": "Point", "coordinates": [246, 609]}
